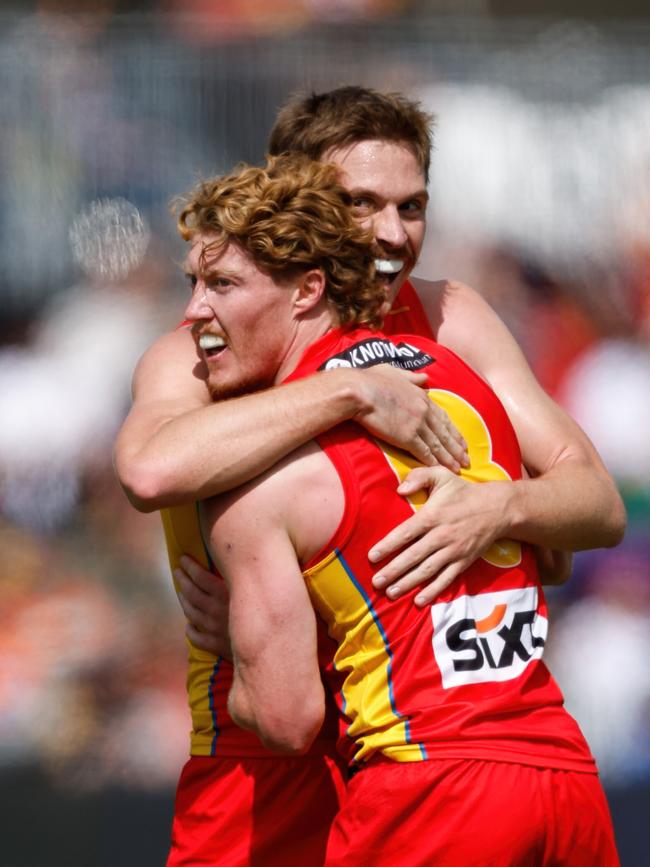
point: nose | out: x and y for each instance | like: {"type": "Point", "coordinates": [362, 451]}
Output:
{"type": "Point", "coordinates": [389, 228]}
{"type": "Point", "coordinates": [199, 307]}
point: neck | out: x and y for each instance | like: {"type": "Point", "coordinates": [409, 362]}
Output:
{"type": "Point", "coordinates": [308, 331]}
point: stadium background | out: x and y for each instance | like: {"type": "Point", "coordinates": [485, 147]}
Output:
{"type": "Point", "coordinates": [540, 199]}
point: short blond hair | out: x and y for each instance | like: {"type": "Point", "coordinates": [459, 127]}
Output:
{"type": "Point", "coordinates": [290, 216]}
{"type": "Point", "coordinates": [314, 123]}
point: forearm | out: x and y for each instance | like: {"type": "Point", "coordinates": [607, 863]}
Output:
{"type": "Point", "coordinates": [571, 507]}
{"type": "Point", "coordinates": [241, 706]}
{"type": "Point", "coordinates": [281, 728]}
{"type": "Point", "coordinates": [277, 691]}
{"type": "Point", "coordinates": [572, 503]}
{"type": "Point", "coordinates": [218, 447]}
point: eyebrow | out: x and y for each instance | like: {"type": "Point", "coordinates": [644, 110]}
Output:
{"type": "Point", "coordinates": [365, 191]}
{"type": "Point", "coordinates": [218, 272]}
{"type": "Point", "coordinates": [206, 275]}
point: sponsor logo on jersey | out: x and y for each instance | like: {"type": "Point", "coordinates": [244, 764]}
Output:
{"type": "Point", "coordinates": [369, 352]}
{"type": "Point", "coordinates": [487, 637]}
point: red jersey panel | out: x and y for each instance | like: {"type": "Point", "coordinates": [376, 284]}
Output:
{"type": "Point", "coordinates": [463, 678]}
{"type": "Point", "coordinates": [407, 315]}
{"type": "Point", "coordinates": [209, 678]}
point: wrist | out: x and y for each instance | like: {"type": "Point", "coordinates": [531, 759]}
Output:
{"type": "Point", "coordinates": [511, 505]}
{"type": "Point", "coordinates": [349, 392]}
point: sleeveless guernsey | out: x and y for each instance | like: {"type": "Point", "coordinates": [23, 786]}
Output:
{"type": "Point", "coordinates": [463, 678]}
{"type": "Point", "coordinates": [209, 678]}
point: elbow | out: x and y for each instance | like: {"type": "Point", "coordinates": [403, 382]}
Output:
{"type": "Point", "coordinates": [143, 482]}
{"type": "Point", "coordinates": [617, 521]}
{"type": "Point", "coordinates": [296, 732]}
{"type": "Point", "coordinates": [292, 737]}
{"type": "Point", "coordinates": [290, 729]}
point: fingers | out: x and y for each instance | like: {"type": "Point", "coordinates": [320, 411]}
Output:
{"type": "Point", "coordinates": [203, 640]}
{"type": "Point", "coordinates": [436, 570]}
{"type": "Point", "coordinates": [207, 581]}
{"type": "Point", "coordinates": [425, 569]}
{"type": "Point", "coordinates": [450, 447]}
{"type": "Point", "coordinates": [409, 562]}
{"type": "Point", "coordinates": [419, 479]}
{"type": "Point", "coordinates": [404, 533]}
{"type": "Point", "coordinates": [436, 451]}
{"type": "Point", "coordinates": [420, 379]}
{"type": "Point", "coordinates": [443, 580]}
{"type": "Point", "coordinates": [444, 445]}
{"type": "Point", "coordinates": [422, 451]}
{"type": "Point", "coordinates": [206, 613]}
{"type": "Point", "coordinates": [203, 612]}
{"type": "Point", "coordinates": [211, 595]}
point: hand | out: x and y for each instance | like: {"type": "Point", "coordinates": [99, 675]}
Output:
{"type": "Point", "coordinates": [456, 525]}
{"type": "Point", "coordinates": [554, 567]}
{"type": "Point", "coordinates": [401, 413]}
{"type": "Point", "coordinates": [204, 599]}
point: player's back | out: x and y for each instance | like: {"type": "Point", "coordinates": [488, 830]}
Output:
{"type": "Point", "coordinates": [465, 677]}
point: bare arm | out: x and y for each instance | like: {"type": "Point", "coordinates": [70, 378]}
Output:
{"type": "Point", "coordinates": [176, 446]}
{"type": "Point", "coordinates": [570, 503]}
{"type": "Point", "coordinates": [204, 599]}
{"type": "Point", "coordinates": [277, 691]}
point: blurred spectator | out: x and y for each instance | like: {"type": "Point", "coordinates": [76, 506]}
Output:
{"type": "Point", "coordinates": [91, 681]}
{"type": "Point", "coordinates": [607, 390]}
{"type": "Point", "coordinates": [62, 397]}
{"type": "Point", "coordinates": [598, 652]}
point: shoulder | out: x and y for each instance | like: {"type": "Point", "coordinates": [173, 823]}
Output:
{"type": "Point", "coordinates": [169, 368]}
{"type": "Point", "coordinates": [448, 301]}
{"type": "Point", "coordinates": [464, 322]}
{"type": "Point", "coordinates": [167, 348]}
{"type": "Point", "coordinates": [301, 495]}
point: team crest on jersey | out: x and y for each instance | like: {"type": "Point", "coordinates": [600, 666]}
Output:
{"type": "Point", "coordinates": [487, 637]}
{"type": "Point", "coordinates": [372, 351]}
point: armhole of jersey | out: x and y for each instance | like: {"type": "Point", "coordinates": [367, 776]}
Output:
{"type": "Point", "coordinates": [343, 466]}
{"type": "Point", "coordinates": [175, 548]}
{"type": "Point", "coordinates": [417, 321]}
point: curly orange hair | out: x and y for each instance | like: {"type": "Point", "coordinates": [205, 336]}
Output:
{"type": "Point", "coordinates": [290, 216]}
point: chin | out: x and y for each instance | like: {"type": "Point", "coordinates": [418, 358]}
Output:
{"type": "Point", "coordinates": [223, 390]}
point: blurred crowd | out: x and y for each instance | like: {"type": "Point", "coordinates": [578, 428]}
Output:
{"type": "Point", "coordinates": [104, 120]}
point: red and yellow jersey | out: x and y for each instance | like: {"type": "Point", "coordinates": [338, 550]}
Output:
{"type": "Point", "coordinates": [407, 315]}
{"type": "Point", "coordinates": [209, 678]}
{"type": "Point", "coordinates": [463, 678]}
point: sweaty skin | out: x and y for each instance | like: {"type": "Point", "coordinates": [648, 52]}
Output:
{"type": "Point", "coordinates": [569, 503]}
{"type": "Point", "coordinates": [298, 505]}
{"type": "Point", "coordinates": [175, 446]}
{"type": "Point", "coordinates": [168, 453]}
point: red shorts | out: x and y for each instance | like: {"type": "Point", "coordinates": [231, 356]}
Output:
{"type": "Point", "coordinates": [464, 813]}
{"type": "Point", "coordinates": [254, 812]}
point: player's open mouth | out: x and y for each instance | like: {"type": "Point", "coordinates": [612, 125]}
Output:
{"type": "Point", "coordinates": [388, 269]}
{"type": "Point", "coordinates": [212, 344]}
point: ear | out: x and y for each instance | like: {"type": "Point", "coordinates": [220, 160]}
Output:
{"type": "Point", "coordinates": [309, 290]}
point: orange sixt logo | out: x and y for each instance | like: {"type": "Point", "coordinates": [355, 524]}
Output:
{"type": "Point", "coordinates": [488, 637]}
